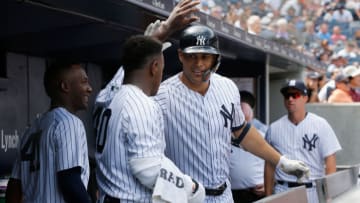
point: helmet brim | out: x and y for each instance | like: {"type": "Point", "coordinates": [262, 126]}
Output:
{"type": "Point", "coordinates": [200, 49]}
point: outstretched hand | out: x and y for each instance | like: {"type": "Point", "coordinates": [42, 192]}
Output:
{"type": "Point", "coordinates": [294, 167]}
{"type": "Point", "coordinates": [179, 18]}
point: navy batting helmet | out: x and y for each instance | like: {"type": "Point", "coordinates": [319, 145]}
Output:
{"type": "Point", "coordinates": [199, 39]}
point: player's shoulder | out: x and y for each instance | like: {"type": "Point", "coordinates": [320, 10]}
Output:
{"type": "Point", "coordinates": [169, 86]}
{"type": "Point", "coordinates": [280, 122]}
{"type": "Point", "coordinates": [221, 79]}
{"type": "Point", "coordinates": [223, 82]}
{"type": "Point", "coordinates": [171, 82]}
{"type": "Point", "coordinates": [131, 97]}
{"type": "Point", "coordinates": [61, 115]}
{"type": "Point", "coordinates": [314, 118]}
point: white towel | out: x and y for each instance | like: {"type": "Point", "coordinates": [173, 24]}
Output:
{"type": "Point", "coordinates": [171, 184]}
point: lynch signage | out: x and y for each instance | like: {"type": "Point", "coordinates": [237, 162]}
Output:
{"type": "Point", "coordinates": [8, 140]}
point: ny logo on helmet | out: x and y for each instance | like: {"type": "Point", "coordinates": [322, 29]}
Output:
{"type": "Point", "coordinates": [200, 40]}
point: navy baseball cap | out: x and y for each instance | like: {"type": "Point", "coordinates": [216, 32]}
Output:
{"type": "Point", "coordinates": [296, 84]}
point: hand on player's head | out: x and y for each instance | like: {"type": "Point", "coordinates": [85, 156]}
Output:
{"type": "Point", "coordinates": [179, 18]}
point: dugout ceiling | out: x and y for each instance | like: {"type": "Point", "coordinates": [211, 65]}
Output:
{"type": "Point", "coordinates": [93, 30]}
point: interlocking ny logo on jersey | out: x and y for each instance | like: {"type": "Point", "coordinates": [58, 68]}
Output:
{"type": "Point", "coordinates": [200, 40]}
{"type": "Point", "coordinates": [310, 143]}
{"type": "Point", "coordinates": [227, 115]}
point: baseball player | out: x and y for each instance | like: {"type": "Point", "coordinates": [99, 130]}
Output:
{"type": "Point", "coordinates": [303, 136]}
{"type": "Point", "coordinates": [130, 136]}
{"type": "Point", "coordinates": [52, 163]}
{"type": "Point", "coordinates": [202, 112]}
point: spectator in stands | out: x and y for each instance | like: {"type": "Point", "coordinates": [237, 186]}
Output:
{"type": "Point", "coordinates": [323, 33]}
{"type": "Point", "coordinates": [217, 12]}
{"type": "Point", "coordinates": [297, 5]}
{"type": "Point", "coordinates": [352, 6]}
{"type": "Point", "coordinates": [204, 7]}
{"type": "Point", "coordinates": [231, 16]}
{"type": "Point", "coordinates": [341, 14]}
{"type": "Point", "coordinates": [260, 8]}
{"type": "Point", "coordinates": [337, 36]}
{"type": "Point", "coordinates": [327, 13]}
{"type": "Point", "coordinates": [254, 25]}
{"type": "Point", "coordinates": [238, 8]}
{"type": "Point", "coordinates": [336, 61]}
{"type": "Point", "coordinates": [290, 14]}
{"type": "Point", "coordinates": [349, 51]}
{"type": "Point", "coordinates": [341, 94]}
{"type": "Point", "coordinates": [323, 57]}
{"type": "Point", "coordinates": [357, 37]}
{"type": "Point", "coordinates": [356, 11]}
{"type": "Point", "coordinates": [269, 27]}
{"type": "Point", "coordinates": [312, 82]}
{"type": "Point", "coordinates": [275, 6]}
{"type": "Point", "coordinates": [282, 35]}
{"type": "Point", "coordinates": [247, 175]}
{"type": "Point", "coordinates": [241, 22]}
{"type": "Point", "coordinates": [326, 90]}
{"type": "Point", "coordinates": [353, 73]}
{"type": "Point", "coordinates": [309, 36]}
{"type": "Point", "coordinates": [325, 46]}
{"type": "Point", "coordinates": [294, 29]}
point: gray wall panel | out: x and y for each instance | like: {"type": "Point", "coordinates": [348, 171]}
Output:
{"type": "Point", "coordinates": [344, 119]}
{"type": "Point", "coordinates": [39, 102]}
{"type": "Point", "coordinates": [13, 109]}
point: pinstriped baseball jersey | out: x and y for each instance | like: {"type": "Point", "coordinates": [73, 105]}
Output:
{"type": "Point", "coordinates": [135, 130]}
{"type": "Point", "coordinates": [198, 129]}
{"type": "Point", "coordinates": [311, 141]}
{"type": "Point", "coordinates": [56, 141]}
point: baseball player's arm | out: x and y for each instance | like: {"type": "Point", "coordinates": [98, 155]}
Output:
{"type": "Point", "coordinates": [269, 178]}
{"type": "Point", "coordinates": [330, 164]}
{"type": "Point", "coordinates": [13, 191]}
{"type": "Point", "coordinates": [179, 18]}
{"type": "Point", "coordinates": [71, 186]}
{"type": "Point", "coordinates": [256, 144]}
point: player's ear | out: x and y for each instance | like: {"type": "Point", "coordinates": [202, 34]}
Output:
{"type": "Point", "coordinates": [64, 86]}
{"type": "Point", "coordinates": [154, 67]}
{"type": "Point", "coordinates": [180, 55]}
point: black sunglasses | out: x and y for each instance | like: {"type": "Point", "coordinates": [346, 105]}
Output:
{"type": "Point", "coordinates": [294, 95]}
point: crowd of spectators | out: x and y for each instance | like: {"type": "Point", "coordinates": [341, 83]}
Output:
{"type": "Point", "coordinates": [328, 30]}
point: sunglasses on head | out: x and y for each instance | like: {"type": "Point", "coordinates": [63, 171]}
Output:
{"type": "Point", "coordinates": [294, 95]}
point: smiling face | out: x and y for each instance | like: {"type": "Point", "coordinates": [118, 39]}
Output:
{"type": "Point", "coordinates": [196, 68]}
{"type": "Point", "coordinates": [79, 87]}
